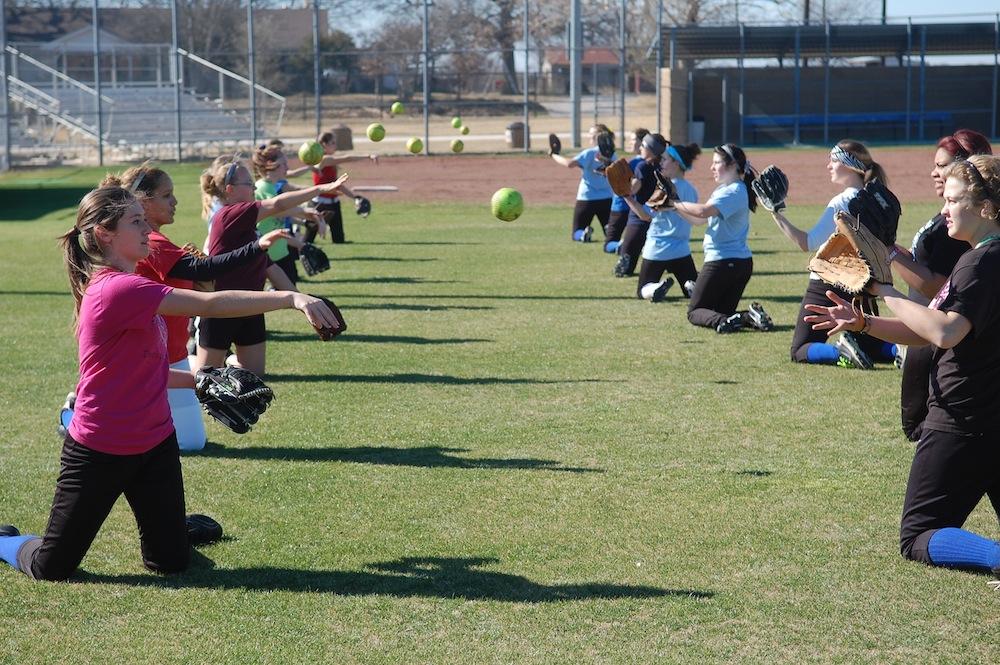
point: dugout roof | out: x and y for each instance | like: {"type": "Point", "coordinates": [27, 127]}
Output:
{"type": "Point", "coordinates": [701, 43]}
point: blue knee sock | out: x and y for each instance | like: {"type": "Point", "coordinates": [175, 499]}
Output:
{"type": "Point", "coordinates": [963, 549]}
{"type": "Point", "coordinates": [888, 351]}
{"type": "Point", "coordinates": [611, 246]}
{"type": "Point", "coordinates": [820, 353]}
{"type": "Point", "coordinates": [9, 545]}
{"type": "Point", "coordinates": [578, 235]}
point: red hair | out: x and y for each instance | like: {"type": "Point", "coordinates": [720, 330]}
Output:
{"type": "Point", "coordinates": [964, 143]}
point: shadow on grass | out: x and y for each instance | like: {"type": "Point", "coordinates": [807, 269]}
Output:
{"type": "Point", "coordinates": [385, 280]}
{"type": "Point", "coordinates": [281, 336]}
{"type": "Point", "coordinates": [423, 456]}
{"type": "Point", "coordinates": [755, 473]}
{"type": "Point", "coordinates": [416, 308]}
{"type": "Point", "coordinates": [418, 242]}
{"type": "Point", "coordinates": [66, 294]}
{"type": "Point", "coordinates": [28, 203]}
{"type": "Point", "coordinates": [471, 296]}
{"type": "Point", "coordinates": [407, 577]}
{"type": "Point", "coordinates": [380, 259]}
{"type": "Point", "coordinates": [420, 378]}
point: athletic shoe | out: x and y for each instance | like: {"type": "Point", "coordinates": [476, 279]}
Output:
{"type": "Point", "coordinates": [850, 350]}
{"type": "Point", "coordinates": [689, 287]}
{"type": "Point", "coordinates": [660, 294]}
{"type": "Point", "coordinates": [7, 530]}
{"type": "Point", "coordinates": [202, 529]}
{"type": "Point", "coordinates": [900, 357]}
{"type": "Point", "coordinates": [66, 415]}
{"type": "Point", "coordinates": [732, 324]}
{"type": "Point", "coordinates": [588, 233]}
{"type": "Point", "coordinates": [756, 317]}
{"type": "Point", "coordinates": [621, 268]}
{"type": "Point", "coordinates": [611, 246]}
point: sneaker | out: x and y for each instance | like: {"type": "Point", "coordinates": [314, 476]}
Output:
{"type": "Point", "coordinates": [851, 352]}
{"type": "Point", "coordinates": [689, 287]}
{"type": "Point", "coordinates": [202, 529]}
{"type": "Point", "coordinates": [7, 530]}
{"type": "Point", "coordinates": [732, 324]}
{"type": "Point", "coordinates": [756, 317]}
{"type": "Point", "coordinates": [621, 268]}
{"type": "Point", "coordinates": [900, 357]}
{"type": "Point", "coordinates": [66, 415]}
{"type": "Point", "coordinates": [588, 233]}
{"type": "Point", "coordinates": [660, 294]}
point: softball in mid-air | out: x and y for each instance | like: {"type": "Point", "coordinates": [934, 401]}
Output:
{"type": "Point", "coordinates": [311, 153]}
{"type": "Point", "coordinates": [456, 122]}
{"type": "Point", "coordinates": [464, 129]}
{"type": "Point", "coordinates": [457, 145]}
{"type": "Point", "coordinates": [507, 204]}
{"type": "Point", "coordinates": [396, 108]}
{"type": "Point", "coordinates": [415, 145]}
{"type": "Point", "coordinates": [375, 132]}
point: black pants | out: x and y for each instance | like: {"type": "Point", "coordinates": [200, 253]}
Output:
{"type": "Point", "coordinates": [632, 241]}
{"type": "Point", "coordinates": [89, 484]}
{"type": "Point", "coordinates": [585, 211]}
{"type": "Point", "coordinates": [718, 290]}
{"type": "Point", "coordinates": [804, 335]}
{"type": "Point", "coordinates": [334, 220]}
{"type": "Point", "coordinates": [949, 475]}
{"type": "Point", "coordinates": [914, 390]}
{"type": "Point", "coordinates": [616, 224]}
{"type": "Point", "coordinates": [651, 271]}
{"type": "Point", "coordinates": [287, 265]}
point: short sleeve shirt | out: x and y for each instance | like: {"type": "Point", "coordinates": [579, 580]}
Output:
{"type": "Point", "coordinates": [963, 387]}
{"type": "Point", "coordinates": [593, 185]}
{"type": "Point", "coordinates": [726, 233]}
{"type": "Point", "coordinates": [645, 173]}
{"type": "Point", "coordinates": [669, 234]}
{"type": "Point", "coordinates": [933, 248]}
{"type": "Point", "coordinates": [233, 227]}
{"type": "Point", "coordinates": [163, 256]}
{"type": "Point", "coordinates": [121, 404]}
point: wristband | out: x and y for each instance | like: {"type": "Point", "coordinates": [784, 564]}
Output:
{"type": "Point", "coordinates": [894, 252]}
{"type": "Point", "coordinates": [867, 324]}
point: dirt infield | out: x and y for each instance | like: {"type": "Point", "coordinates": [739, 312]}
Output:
{"type": "Point", "coordinates": [474, 178]}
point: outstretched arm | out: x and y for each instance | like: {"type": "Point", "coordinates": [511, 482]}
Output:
{"type": "Point", "coordinates": [229, 304]}
{"type": "Point", "coordinates": [281, 203]}
{"type": "Point", "coordinates": [565, 161]}
{"type": "Point", "coordinates": [696, 214]}
{"type": "Point", "coordinates": [799, 237]}
{"type": "Point", "coordinates": [918, 276]}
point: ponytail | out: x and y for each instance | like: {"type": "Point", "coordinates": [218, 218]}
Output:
{"type": "Point", "coordinates": [82, 252]}
{"type": "Point", "coordinates": [733, 154]}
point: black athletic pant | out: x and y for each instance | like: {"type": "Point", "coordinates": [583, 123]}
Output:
{"type": "Point", "coordinates": [334, 220]}
{"type": "Point", "coordinates": [718, 290]}
{"type": "Point", "coordinates": [651, 271]}
{"type": "Point", "coordinates": [585, 211]}
{"type": "Point", "coordinates": [287, 265]}
{"type": "Point", "coordinates": [632, 241]}
{"type": "Point", "coordinates": [949, 475]}
{"type": "Point", "coordinates": [913, 391]}
{"type": "Point", "coordinates": [89, 484]}
{"type": "Point", "coordinates": [804, 335]}
{"type": "Point", "coordinates": [615, 225]}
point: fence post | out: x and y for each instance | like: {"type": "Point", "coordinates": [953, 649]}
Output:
{"type": "Point", "coordinates": [659, 67]}
{"type": "Point", "coordinates": [624, 82]}
{"type": "Point", "coordinates": [909, 85]}
{"type": "Point", "coordinates": [317, 70]}
{"type": "Point", "coordinates": [725, 108]}
{"type": "Point", "coordinates": [826, 89]}
{"type": "Point", "coordinates": [427, 83]}
{"type": "Point", "coordinates": [798, 83]}
{"type": "Point", "coordinates": [740, 103]}
{"type": "Point", "coordinates": [4, 103]}
{"type": "Point", "coordinates": [251, 70]}
{"type": "Point", "coordinates": [923, 81]}
{"type": "Point", "coordinates": [97, 83]}
{"type": "Point", "coordinates": [996, 52]}
{"type": "Point", "coordinates": [175, 74]}
{"type": "Point", "coordinates": [575, 68]}
{"type": "Point", "coordinates": [527, 133]}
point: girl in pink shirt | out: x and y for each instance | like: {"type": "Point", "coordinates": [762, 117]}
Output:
{"type": "Point", "coordinates": [121, 439]}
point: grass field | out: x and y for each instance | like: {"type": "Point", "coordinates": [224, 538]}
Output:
{"type": "Point", "coordinates": [508, 459]}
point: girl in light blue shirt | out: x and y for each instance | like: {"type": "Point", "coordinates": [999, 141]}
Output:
{"type": "Point", "coordinates": [593, 196]}
{"type": "Point", "coordinates": [728, 260]}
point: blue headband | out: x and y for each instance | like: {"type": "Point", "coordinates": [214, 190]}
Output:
{"type": "Point", "coordinates": [676, 156]}
{"type": "Point", "coordinates": [230, 174]}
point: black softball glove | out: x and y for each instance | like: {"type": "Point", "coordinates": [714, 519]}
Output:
{"type": "Point", "coordinates": [234, 396]}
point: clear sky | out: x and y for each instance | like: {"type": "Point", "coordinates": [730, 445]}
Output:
{"type": "Point", "coordinates": [936, 7]}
